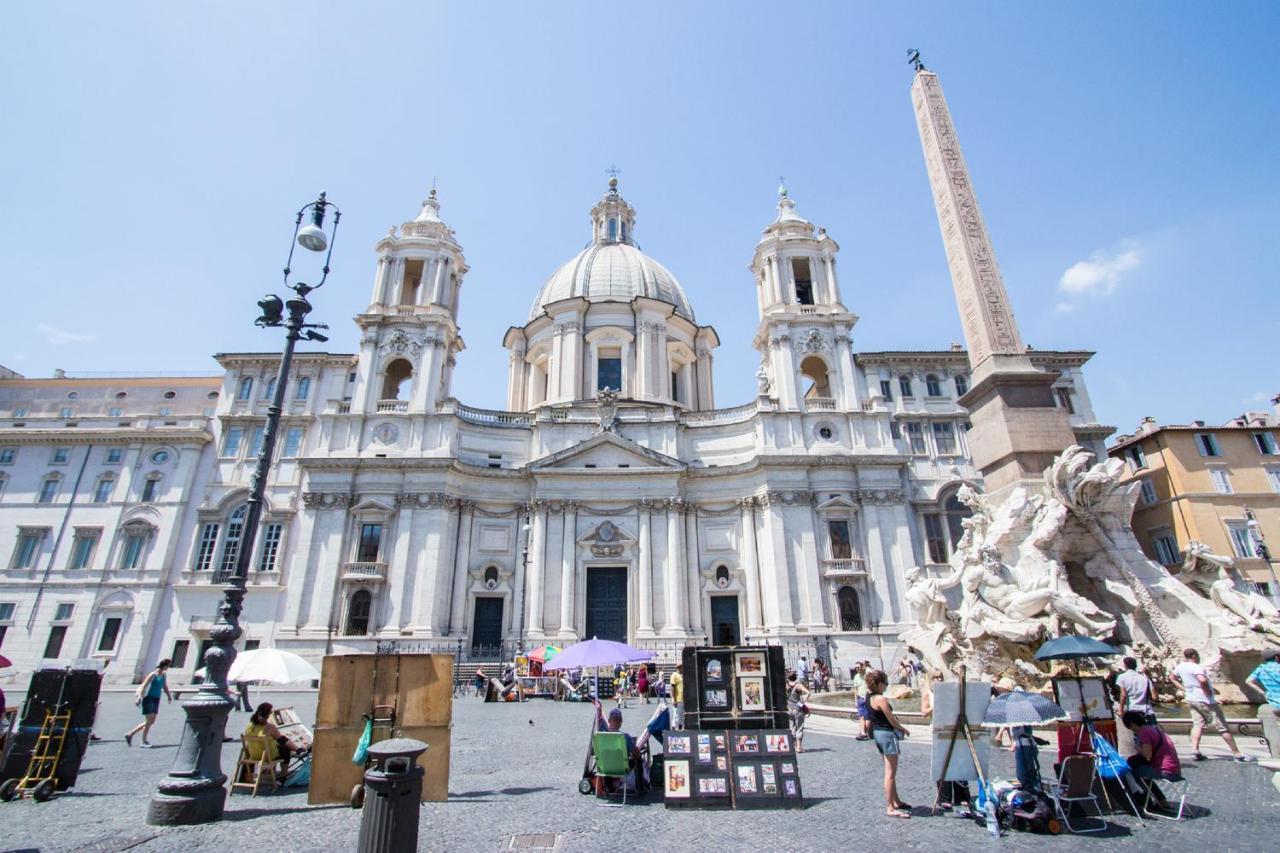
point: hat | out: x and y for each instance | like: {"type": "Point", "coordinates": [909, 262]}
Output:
{"type": "Point", "coordinates": [616, 712]}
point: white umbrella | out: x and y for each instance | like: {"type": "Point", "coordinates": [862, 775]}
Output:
{"type": "Point", "coordinates": [272, 666]}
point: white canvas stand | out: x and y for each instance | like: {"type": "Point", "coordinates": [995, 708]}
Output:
{"type": "Point", "coordinates": [959, 767]}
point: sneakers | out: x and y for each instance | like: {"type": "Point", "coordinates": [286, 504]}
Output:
{"type": "Point", "coordinates": [144, 745]}
{"type": "Point", "coordinates": [1245, 759]}
{"type": "Point", "coordinates": [128, 739]}
{"type": "Point", "coordinates": [1199, 756]}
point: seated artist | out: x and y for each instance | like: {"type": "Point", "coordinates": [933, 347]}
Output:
{"type": "Point", "coordinates": [634, 758]}
{"type": "Point", "coordinates": [1156, 758]}
{"type": "Point", "coordinates": [277, 746]}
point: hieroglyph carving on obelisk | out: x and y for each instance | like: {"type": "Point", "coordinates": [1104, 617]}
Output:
{"type": "Point", "coordinates": [989, 327]}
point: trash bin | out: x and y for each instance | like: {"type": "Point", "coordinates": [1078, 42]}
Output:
{"type": "Point", "coordinates": [393, 797]}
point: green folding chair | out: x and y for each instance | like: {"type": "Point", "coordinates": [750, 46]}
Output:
{"type": "Point", "coordinates": [612, 760]}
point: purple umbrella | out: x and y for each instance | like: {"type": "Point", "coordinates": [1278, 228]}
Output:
{"type": "Point", "coordinates": [593, 653]}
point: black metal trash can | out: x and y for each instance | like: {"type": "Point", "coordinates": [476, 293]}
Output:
{"type": "Point", "coordinates": [392, 797]}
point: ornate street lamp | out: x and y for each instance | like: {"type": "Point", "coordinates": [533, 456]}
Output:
{"type": "Point", "coordinates": [1260, 548]}
{"type": "Point", "coordinates": [193, 791]}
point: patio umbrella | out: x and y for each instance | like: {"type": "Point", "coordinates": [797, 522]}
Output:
{"type": "Point", "coordinates": [542, 654]}
{"type": "Point", "coordinates": [272, 666]}
{"type": "Point", "coordinates": [1019, 708]}
{"type": "Point", "coordinates": [596, 653]}
{"type": "Point", "coordinates": [1072, 647]}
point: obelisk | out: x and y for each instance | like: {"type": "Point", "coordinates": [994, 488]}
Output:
{"type": "Point", "coordinates": [1017, 429]}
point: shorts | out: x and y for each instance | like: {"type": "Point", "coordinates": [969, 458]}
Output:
{"type": "Point", "coordinates": [1207, 715]}
{"type": "Point", "coordinates": [886, 741]}
{"type": "Point", "coordinates": [864, 708]}
{"type": "Point", "coordinates": [150, 705]}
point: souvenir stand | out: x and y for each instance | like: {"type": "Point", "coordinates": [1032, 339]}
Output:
{"type": "Point", "coordinates": [737, 750]}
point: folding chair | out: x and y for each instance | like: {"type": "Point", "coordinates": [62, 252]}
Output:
{"type": "Point", "coordinates": [612, 761]}
{"type": "Point", "coordinates": [255, 766]}
{"type": "Point", "coordinates": [1075, 785]}
{"type": "Point", "coordinates": [1178, 787]}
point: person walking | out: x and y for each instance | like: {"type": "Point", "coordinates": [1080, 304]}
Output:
{"type": "Point", "coordinates": [797, 709]}
{"type": "Point", "coordinates": [148, 698]}
{"type": "Point", "coordinates": [802, 670]}
{"type": "Point", "coordinates": [1266, 678]}
{"type": "Point", "coordinates": [677, 697]}
{"type": "Point", "coordinates": [1205, 710]}
{"type": "Point", "coordinates": [887, 732]}
{"type": "Point", "coordinates": [860, 701]}
{"type": "Point", "coordinates": [1136, 691]}
{"type": "Point", "coordinates": [642, 682]}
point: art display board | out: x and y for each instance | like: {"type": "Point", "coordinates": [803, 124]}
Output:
{"type": "Point", "coordinates": [420, 686]}
{"type": "Point", "coordinates": [1083, 696]}
{"type": "Point", "coordinates": [49, 689]}
{"type": "Point", "coordinates": [730, 687]}
{"type": "Point", "coordinates": [731, 769]}
{"type": "Point", "coordinates": [946, 712]}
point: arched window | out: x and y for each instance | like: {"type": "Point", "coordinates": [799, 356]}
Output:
{"type": "Point", "coordinates": [102, 491]}
{"type": "Point", "coordinates": [815, 370]}
{"type": "Point", "coordinates": [943, 528]}
{"type": "Point", "coordinates": [850, 612]}
{"type": "Point", "coordinates": [932, 387]}
{"type": "Point", "coordinates": [904, 385]}
{"type": "Point", "coordinates": [398, 375]}
{"type": "Point", "coordinates": [491, 577]}
{"type": "Point", "coordinates": [962, 386]}
{"type": "Point", "coordinates": [245, 391]}
{"type": "Point", "coordinates": [955, 512]}
{"type": "Point", "coordinates": [269, 390]}
{"type": "Point", "coordinates": [722, 576]}
{"type": "Point", "coordinates": [358, 613]}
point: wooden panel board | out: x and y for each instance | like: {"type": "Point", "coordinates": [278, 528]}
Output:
{"type": "Point", "coordinates": [421, 689]}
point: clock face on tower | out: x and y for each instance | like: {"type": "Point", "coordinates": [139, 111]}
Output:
{"type": "Point", "coordinates": [385, 433]}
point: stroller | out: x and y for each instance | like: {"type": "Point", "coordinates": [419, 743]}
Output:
{"type": "Point", "coordinates": [658, 723]}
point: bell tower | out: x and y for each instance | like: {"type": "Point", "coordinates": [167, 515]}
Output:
{"type": "Point", "coordinates": [804, 331]}
{"type": "Point", "coordinates": [409, 332]}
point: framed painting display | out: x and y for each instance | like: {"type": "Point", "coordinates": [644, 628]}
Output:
{"type": "Point", "coordinates": [677, 744]}
{"type": "Point", "coordinates": [752, 693]}
{"type": "Point", "coordinates": [746, 744]}
{"type": "Point", "coordinates": [716, 699]}
{"type": "Point", "coordinates": [713, 786]}
{"type": "Point", "coordinates": [704, 749]}
{"type": "Point", "coordinates": [768, 780]}
{"type": "Point", "coordinates": [746, 778]}
{"type": "Point", "coordinates": [677, 776]}
{"type": "Point", "coordinates": [714, 672]}
{"type": "Point", "coordinates": [787, 768]}
{"type": "Point", "coordinates": [750, 663]}
{"type": "Point", "coordinates": [722, 763]}
{"type": "Point", "coordinates": [720, 741]}
{"type": "Point", "coordinates": [777, 743]}
{"type": "Point", "coordinates": [1087, 694]}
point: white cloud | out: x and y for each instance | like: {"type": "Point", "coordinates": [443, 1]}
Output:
{"type": "Point", "coordinates": [1064, 308]}
{"type": "Point", "coordinates": [57, 337]}
{"type": "Point", "coordinates": [1259, 397]}
{"type": "Point", "coordinates": [1102, 272]}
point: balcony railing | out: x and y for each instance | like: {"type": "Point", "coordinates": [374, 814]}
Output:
{"type": "Point", "coordinates": [364, 571]}
{"type": "Point", "coordinates": [737, 414]}
{"type": "Point", "coordinates": [808, 309]}
{"type": "Point", "coordinates": [392, 406]}
{"type": "Point", "coordinates": [493, 417]}
{"type": "Point", "coordinates": [845, 566]}
{"type": "Point", "coordinates": [820, 404]}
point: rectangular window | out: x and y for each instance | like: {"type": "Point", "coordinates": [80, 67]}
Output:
{"type": "Point", "coordinates": [1137, 457]}
{"type": "Point", "coordinates": [114, 456]}
{"type": "Point", "coordinates": [259, 434]}
{"type": "Point", "coordinates": [251, 645]}
{"type": "Point", "coordinates": [904, 385]}
{"type": "Point", "coordinates": [65, 412]}
{"type": "Point", "coordinates": [60, 456]}
{"type": "Point", "coordinates": [1064, 400]}
{"type": "Point", "coordinates": [915, 438]}
{"type": "Point", "coordinates": [841, 547]}
{"type": "Point", "coordinates": [231, 443]}
{"type": "Point", "coordinates": [165, 411]}
{"type": "Point", "coordinates": [24, 555]}
{"type": "Point", "coordinates": [64, 611]}
{"type": "Point", "coordinates": [895, 431]}
{"type": "Point", "coordinates": [102, 491]}
{"type": "Point", "coordinates": [110, 634]}
{"type": "Point", "coordinates": [1221, 480]}
{"type": "Point", "coordinates": [1148, 492]}
{"type": "Point", "coordinates": [7, 609]}
{"type": "Point", "coordinates": [115, 412]}
{"type": "Point", "coordinates": [179, 656]}
{"type": "Point", "coordinates": [292, 442]}
{"type": "Point", "coordinates": [609, 373]}
{"type": "Point", "coordinates": [245, 390]}
{"type": "Point", "coordinates": [53, 647]}
{"type": "Point", "coordinates": [675, 385]}
{"type": "Point", "coordinates": [6, 455]}
{"type": "Point", "coordinates": [962, 386]}
{"type": "Point", "coordinates": [82, 548]}
{"type": "Point", "coordinates": [804, 280]}
{"type": "Point", "coordinates": [1261, 588]}
{"type": "Point", "coordinates": [944, 436]}
{"type": "Point", "coordinates": [270, 547]}
{"type": "Point", "coordinates": [149, 490]}
{"type": "Point", "coordinates": [1273, 477]}
{"type": "Point", "coordinates": [1167, 549]}
{"type": "Point", "coordinates": [1265, 442]}
{"type": "Point", "coordinates": [204, 551]}
{"type": "Point", "coordinates": [48, 490]}
{"type": "Point", "coordinates": [1207, 444]}
{"type": "Point", "coordinates": [886, 389]}
{"type": "Point", "coordinates": [935, 538]}
{"type": "Point", "coordinates": [131, 554]}
{"type": "Point", "coordinates": [932, 386]}
{"type": "Point", "coordinates": [303, 388]}
{"type": "Point", "coordinates": [370, 540]}
{"type": "Point", "coordinates": [1241, 540]}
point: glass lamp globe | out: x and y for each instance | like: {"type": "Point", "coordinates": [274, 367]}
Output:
{"type": "Point", "coordinates": [311, 237]}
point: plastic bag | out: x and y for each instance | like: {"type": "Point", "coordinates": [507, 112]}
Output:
{"type": "Point", "coordinates": [300, 778]}
{"type": "Point", "coordinates": [362, 746]}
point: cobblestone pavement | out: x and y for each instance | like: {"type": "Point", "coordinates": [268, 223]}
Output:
{"type": "Point", "coordinates": [515, 770]}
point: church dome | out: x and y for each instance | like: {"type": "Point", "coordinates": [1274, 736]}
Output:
{"type": "Point", "coordinates": [612, 268]}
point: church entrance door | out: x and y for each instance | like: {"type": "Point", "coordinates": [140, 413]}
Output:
{"type": "Point", "coordinates": [724, 621]}
{"type": "Point", "coordinates": [486, 628]}
{"type": "Point", "coordinates": [607, 603]}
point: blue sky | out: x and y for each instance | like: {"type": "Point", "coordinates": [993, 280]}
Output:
{"type": "Point", "coordinates": [1125, 157]}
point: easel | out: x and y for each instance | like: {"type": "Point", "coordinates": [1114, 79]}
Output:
{"type": "Point", "coordinates": [1087, 730]}
{"type": "Point", "coordinates": [961, 726]}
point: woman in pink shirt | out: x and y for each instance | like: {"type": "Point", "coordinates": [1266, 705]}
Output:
{"type": "Point", "coordinates": [1156, 757]}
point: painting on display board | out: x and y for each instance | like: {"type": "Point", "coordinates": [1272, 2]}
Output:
{"type": "Point", "coordinates": [752, 688]}
{"type": "Point", "coordinates": [946, 714]}
{"type": "Point", "coordinates": [1087, 694]}
{"type": "Point", "coordinates": [677, 775]}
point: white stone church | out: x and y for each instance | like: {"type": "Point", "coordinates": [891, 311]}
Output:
{"type": "Point", "coordinates": [397, 512]}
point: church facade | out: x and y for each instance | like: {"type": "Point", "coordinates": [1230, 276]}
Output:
{"type": "Point", "coordinates": [611, 497]}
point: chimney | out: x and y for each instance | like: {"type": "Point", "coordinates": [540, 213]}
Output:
{"type": "Point", "coordinates": [59, 373]}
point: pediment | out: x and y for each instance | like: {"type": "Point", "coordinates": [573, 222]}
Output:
{"type": "Point", "coordinates": [836, 503]}
{"type": "Point", "coordinates": [606, 451]}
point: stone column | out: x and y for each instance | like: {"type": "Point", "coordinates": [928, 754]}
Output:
{"type": "Point", "coordinates": [426, 383]}
{"type": "Point", "coordinates": [809, 574]}
{"type": "Point", "coordinates": [437, 286]}
{"type": "Point", "coordinates": [784, 373]}
{"type": "Point", "coordinates": [706, 393]}
{"type": "Point", "coordinates": [677, 602]}
{"type": "Point", "coordinates": [395, 602]}
{"type": "Point", "coordinates": [516, 382]}
{"type": "Point", "coordinates": [775, 579]}
{"type": "Point", "coordinates": [644, 571]}
{"type": "Point", "coordinates": [662, 388]}
{"type": "Point", "coordinates": [568, 572]}
{"type": "Point", "coordinates": [299, 565]}
{"type": "Point", "coordinates": [693, 569]}
{"type": "Point", "coordinates": [644, 362]}
{"type": "Point", "coordinates": [844, 373]}
{"type": "Point", "coordinates": [461, 570]}
{"type": "Point", "coordinates": [555, 365]}
{"type": "Point", "coordinates": [379, 280]}
{"type": "Point", "coordinates": [750, 564]}
{"type": "Point", "coordinates": [535, 585]}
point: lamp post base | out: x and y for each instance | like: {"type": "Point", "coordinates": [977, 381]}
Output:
{"type": "Point", "coordinates": [194, 791]}
{"type": "Point", "coordinates": [168, 810]}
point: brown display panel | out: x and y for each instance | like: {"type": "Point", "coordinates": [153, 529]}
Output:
{"type": "Point", "coordinates": [421, 689]}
